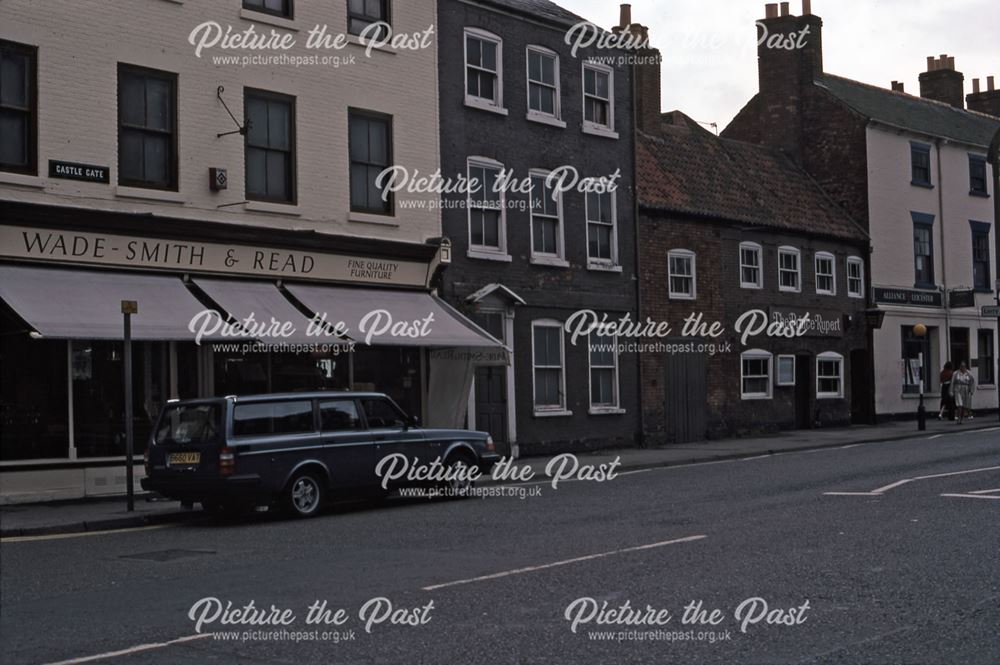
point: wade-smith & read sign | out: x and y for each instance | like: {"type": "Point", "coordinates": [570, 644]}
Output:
{"type": "Point", "coordinates": [157, 253]}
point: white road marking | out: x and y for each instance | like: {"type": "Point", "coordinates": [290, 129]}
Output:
{"type": "Point", "coordinates": [747, 459]}
{"type": "Point", "coordinates": [972, 496]}
{"type": "Point", "coordinates": [935, 436]}
{"type": "Point", "coordinates": [131, 650]}
{"type": "Point", "coordinates": [984, 491]}
{"type": "Point", "coordinates": [899, 483]}
{"type": "Point", "coordinates": [589, 557]}
{"type": "Point", "coordinates": [60, 536]}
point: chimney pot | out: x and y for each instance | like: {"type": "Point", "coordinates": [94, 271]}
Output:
{"type": "Point", "coordinates": [771, 10]}
{"type": "Point", "coordinates": [951, 63]}
{"type": "Point", "coordinates": [807, 7]}
{"type": "Point", "coordinates": [989, 83]}
{"type": "Point", "coordinates": [626, 15]}
{"type": "Point", "coordinates": [975, 86]}
{"type": "Point", "coordinates": [784, 9]}
{"type": "Point", "coordinates": [930, 63]}
{"type": "Point", "coordinates": [897, 86]}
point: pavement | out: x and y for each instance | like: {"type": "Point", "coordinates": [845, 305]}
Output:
{"type": "Point", "coordinates": [82, 516]}
{"type": "Point", "coordinates": [864, 555]}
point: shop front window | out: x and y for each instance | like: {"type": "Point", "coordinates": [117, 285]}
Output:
{"type": "Point", "coordinates": [34, 410]}
{"type": "Point", "coordinates": [98, 394]}
{"type": "Point", "coordinates": [394, 371]}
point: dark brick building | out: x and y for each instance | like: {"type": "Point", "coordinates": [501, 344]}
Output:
{"type": "Point", "coordinates": [727, 227]}
{"type": "Point", "coordinates": [516, 100]}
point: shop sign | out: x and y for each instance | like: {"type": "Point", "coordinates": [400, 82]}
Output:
{"type": "Point", "coordinates": [990, 311]}
{"type": "Point", "coordinates": [908, 297]}
{"type": "Point", "coordinates": [76, 171]}
{"type": "Point", "coordinates": [205, 257]}
{"type": "Point", "coordinates": [820, 324]}
{"type": "Point", "coordinates": [959, 298]}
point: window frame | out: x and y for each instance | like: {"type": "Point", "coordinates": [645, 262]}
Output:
{"type": "Point", "coordinates": [596, 262]}
{"type": "Point", "coordinates": [981, 231]}
{"type": "Point", "coordinates": [292, 151]}
{"type": "Point", "coordinates": [603, 408]}
{"type": "Point", "coordinates": [533, 114]}
{"type": "Point", "coordinates": [826, 256]}
{"type": "Point", "coordinates": [682, 254]}
{"type": "Point", "coordinates": [922, 149]}
{"type": "Point", "coordinates": [558, 258]}
{"type": "Point", "coordinates": [481, 102]}
{"type": "Point", "coordinates": [353, 112]}
{"type": "Point", "coordinates": [387, 7]}
{"type": "Point", "coordinates": [777, 370]}
{"type": "Point", "coordinates": [590, 126]}
{"type": "Point", "coordinates": [788, 250]}
{"type": "Point", "coordinates": [757, 354]}
{"type": "Point", "coordinates": [550, 409]}
{"type": "Point", "coordinates": [924, 222]}
{"type": "Point", "coordinates": [859, 262]}
{"type": "Point", "coordinates": [125, 69]}
{"type": "Point", "coordinates": [288, 13]}
{"type": "Point", "coordinates": [759, 251]}
{"type": "Point", "coordinates": [826, 357]}
{"type": "Point", "coordinates": [976, 162]}
{"type": "Point", "coordinates": [31, 138]}
{"type": "Point", "coordinates": [481, 250]}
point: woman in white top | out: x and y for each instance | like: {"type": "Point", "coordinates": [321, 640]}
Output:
{"type": "Point", "coordinates": [962, 387]}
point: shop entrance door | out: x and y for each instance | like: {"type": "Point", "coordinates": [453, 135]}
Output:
{"type": "Point", "coordinates": [861, 388]}
{"type": "Point", "coordinates": [491, 403]}
{"type": "Point", "coordinates": [959, 350]}
{"type": "Point", "coordinates": [685, 397]}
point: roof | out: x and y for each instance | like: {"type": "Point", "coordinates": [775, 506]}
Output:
{"type": "Point", "coordinates": [899, 109]}
{"type": "Point", "coordinates": [689, 170]}
{"type": "Point", "coordinates": [542, 9]}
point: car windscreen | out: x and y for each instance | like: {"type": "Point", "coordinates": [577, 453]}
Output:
{"type": "Point", "coordinates": [190, 424]}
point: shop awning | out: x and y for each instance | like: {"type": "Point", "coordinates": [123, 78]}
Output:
{"type": "Point", "coordinates": [86, 304]}
{"type": "Point", "coordinates": [386, 311]}
{"type": "Point", "coordinates": [264, 303]}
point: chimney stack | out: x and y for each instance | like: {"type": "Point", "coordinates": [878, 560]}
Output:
{"type": "Point", "coordinates": [942, 83]}
{"type": "Point", "coordinates": [985, 101]}
{"type": "Point", "coordinates": [897, 86]}
{"type": "Point", "coordinates": [784, 73]}
{"type": "Point", "coordinates": [647, 73]}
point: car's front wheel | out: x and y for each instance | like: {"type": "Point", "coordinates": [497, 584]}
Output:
{"type": "Point", "coordinates": [304, 495]}
{"type": "Point", "coordinates": [458, 484]}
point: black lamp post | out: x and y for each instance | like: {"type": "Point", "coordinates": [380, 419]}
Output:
{"type": "Point", "coordinates": [920, 331]}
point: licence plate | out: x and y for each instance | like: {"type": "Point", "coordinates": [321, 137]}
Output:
{"type": "Point", "coordinates": [184, 458]}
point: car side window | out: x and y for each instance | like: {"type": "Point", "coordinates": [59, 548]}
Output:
{"type": "Point", "coordinates": [273, 418]}
{"type": "Point", "coordinates": [339, 416]}
{"type": "Point", "coordinates": [382, 414]}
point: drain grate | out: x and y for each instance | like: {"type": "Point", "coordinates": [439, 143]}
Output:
{"type": "Point", "coordinates": [167, 555]}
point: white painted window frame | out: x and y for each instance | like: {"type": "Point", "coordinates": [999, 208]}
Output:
{"type": "Point", "coordinates": [558, 259]}
{"type": "Point", "coordinates": [826, 256]}
{"type": "Point", "coordinates": [755, 247]}
{"type": "Point", "coordinates": [589, 127]}
{"type": "Point", "coordinates": [484, 251]}
{"type": "Point", "coordinates": [859, 262]}
{"type": "Point", "coordinates": [829, 356]}
{"type": "Point", "coordinates": [548, 409]}
{"type": "Point", "coordinates": [682, 254]}
{"type": "Point", "coordinates": [481, 102]}
{"type": "Point", "coordinates": [788, 250]}
{"type": "Point", "coordinates": [602, 409]}
{"type": "Point", "coordinates": [555, 118]}
{"type": "Point", "coordinates": [757, 354]}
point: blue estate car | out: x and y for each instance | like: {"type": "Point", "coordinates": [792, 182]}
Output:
{"type": "Point", "coordinates": [234, 452]}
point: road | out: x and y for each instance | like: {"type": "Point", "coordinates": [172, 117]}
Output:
{"type": "Point", "coordinates": [864, 554]}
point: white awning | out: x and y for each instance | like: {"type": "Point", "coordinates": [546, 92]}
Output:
{"type": "Point", "coordinates": [86, 304]}
{"type": "Point", "coordinates": [380, 311]}
{"type": "Point", "coordinates": [265, 304]}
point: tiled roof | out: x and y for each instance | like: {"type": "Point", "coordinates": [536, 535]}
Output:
{"type": "Point", "coordinates": [689, 170]}
{"type": "Point", "coordinates": [909, 112]}
{"type": "Point", "coordinates": [542, 9]}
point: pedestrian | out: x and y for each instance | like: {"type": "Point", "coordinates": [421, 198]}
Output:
{"type": "Point", "coordinates": [947, 400]}
{"type": "Point", "coordinates": [962, 387]}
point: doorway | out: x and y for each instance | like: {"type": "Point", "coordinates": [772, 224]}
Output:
{"type": "Point", "coordinates": [685, 397]}
{"type": "Point", "coordinates": [803, 392]}
{"type": "Point", "coordinates": [959, 351]}
{"type": "Point", "coordinates": [491, 405]}
{"type": "Point", "coordinates": [862, 398]}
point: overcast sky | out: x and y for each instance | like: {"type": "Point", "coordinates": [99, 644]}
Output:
{"type": "Point", "coordinates": [709, 46]}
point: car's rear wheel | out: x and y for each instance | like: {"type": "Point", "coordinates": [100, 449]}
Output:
{"type": "Point", "coordinates": [304, 495]}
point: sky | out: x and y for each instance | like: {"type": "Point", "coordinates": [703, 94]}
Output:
{"type": "Point", "coordinates": [709, 46]}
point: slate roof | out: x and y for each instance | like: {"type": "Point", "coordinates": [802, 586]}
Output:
{"type": "Point", "coordinates": [907, 111]}
{"type": "Point", "coordinates": [542, 9]}
{"type": "Point", "coordinates": [689, 170]}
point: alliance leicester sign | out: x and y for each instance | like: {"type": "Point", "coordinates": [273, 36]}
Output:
{"type": "Point", "coordinates": [161, 254]}
{"type": "Point", "coordinates": [908, 297]}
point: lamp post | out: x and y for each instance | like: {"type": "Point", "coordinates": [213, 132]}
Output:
{"type": "Point", "coordinates": [129, 307]}
{"type": "Point", "coordinates": [920, 331]}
